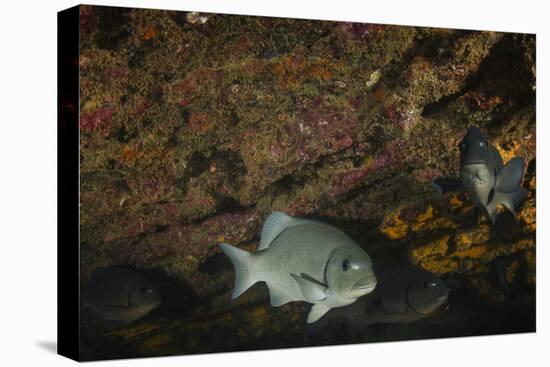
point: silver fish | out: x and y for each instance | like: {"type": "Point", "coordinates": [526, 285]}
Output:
{"type": "Point", "coordinates": [119, 294]}
{"type": "Point", "coordinates": [304, 260]}
{"type": "Point", "coordinates": [484, 177]}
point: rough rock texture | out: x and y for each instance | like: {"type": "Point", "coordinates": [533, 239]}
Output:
{"type": "Point", "coordinates": [192, 133]}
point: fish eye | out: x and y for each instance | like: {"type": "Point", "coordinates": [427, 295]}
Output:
{"type": "Point", "coordinates": [429, 284]}
{"type": "Point", "coordinates": [481, 144]}
{"type": "Point", "coordinates": [146, 290]}
{"type": "Point", "coordinates": [345, 265]}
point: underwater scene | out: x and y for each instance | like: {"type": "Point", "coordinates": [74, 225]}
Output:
{"type": "Point", "coordinates": [258, 183]}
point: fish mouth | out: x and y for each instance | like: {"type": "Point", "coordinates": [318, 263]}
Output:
{"type": "Point", "coordinates": [477, 181]}
{"type": "Point", "coordinates": [365, 284]}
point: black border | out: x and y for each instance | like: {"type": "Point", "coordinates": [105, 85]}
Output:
{"type": "Point", "coordinates": [68, 183]}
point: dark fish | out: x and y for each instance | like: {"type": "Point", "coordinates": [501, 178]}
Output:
{"type": "Point", "coordinates": [484, 177]}
{"type": "Point", "coordinates": [119, 294]}
{"type": "Point", "coordinates": [405, 293]}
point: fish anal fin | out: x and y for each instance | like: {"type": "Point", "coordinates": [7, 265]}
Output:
{"type": "Point", "coordinates": [311, 291]}
{"type": "Point", "coordinates": [317, 311]}
{"type": "Point", "coordinates": [277, 297]}
{"type": "Point", "coordinates": [444, 185]}
{"type": "Point", "coordinates": [274, 225]}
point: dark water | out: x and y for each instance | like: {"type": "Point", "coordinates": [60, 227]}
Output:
{"type": "Point", "coordinates": [175, 328]}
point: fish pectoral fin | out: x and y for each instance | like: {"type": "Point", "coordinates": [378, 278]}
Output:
{"type": "Point", "coordinates": [510, 176]}
{"type": "Point", "coordinates": [444, 185]}
{"type": "Point", "coordinates": [317, 311]}
{"type": "Point", "coordinates": [277, 297]}
{"type": "Point", "coordinates": [311, 291]}
{"type": "Point", "coordinates": [509, 200]}
{"type": "Point", "coordinates": [274, 225]}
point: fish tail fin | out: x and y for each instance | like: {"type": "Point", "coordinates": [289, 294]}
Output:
{"type": "Point", "coordinates": [241, 260]}
{"type": "Point", "coordinates": [509, 200]}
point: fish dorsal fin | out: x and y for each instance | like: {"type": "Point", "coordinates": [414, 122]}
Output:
{"type": "Point", "coordinates": [274, 225]}
{"type": "Point", "coordinates": [311, 291]}
{"type": "Point", "coordinates": [510, 176]}
{"type": "Point", "coordinates": [317, 311]}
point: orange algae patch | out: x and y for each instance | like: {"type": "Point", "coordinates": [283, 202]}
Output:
{"type": "Point", "coordinates": [426, 221]}
{"type": "Point", "coordinates": [528, 214]}
{"type": "Point", "coordinates": [398, 229]}
{"type": "Point", "coordinates": [436, 248]}
{"type": "Point", "coordinates": [428, 214]}
{"type": "Point", "coordinates": [129, 155]}
{"type": "Point", "coordinates": [149, 33]}
{"type": "Point", "coordinates": [431, 256]}
{"type": "Point", "coordinates": [523, 244]}
{"type": "Point", "coordinates": [466, 239]}
{"type": "Point", "coordinates": [456, 202]}
{"type": "Point", "coordinates": [440, 267]}
{"type": "Point", "coordinates": [473, 252]}
{"type": "Point", "coordinates": [508, 151]}
{"type": "Point", "coordinates": [463, 241]}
